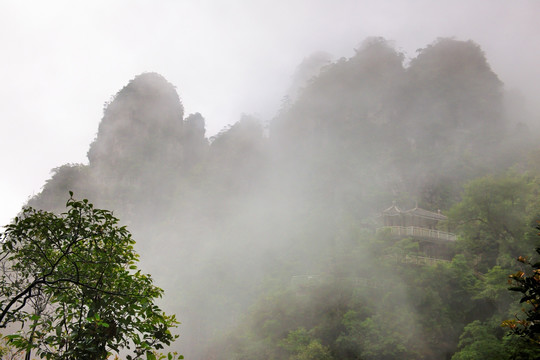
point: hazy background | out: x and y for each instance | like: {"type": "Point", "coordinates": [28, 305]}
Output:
{"type": "Point", "coordinates": [61, 60]}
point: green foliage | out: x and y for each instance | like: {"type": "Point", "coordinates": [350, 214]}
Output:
{"type": "Point", "coordinates": [494, 218]}
{"type": "Point", "coordinates": [353, 319]}
{"type": "Point", "coordinates": [406, 312]}
{"type": "Point", "coordinates": [486, 340]}
{"type": "Point", "coordinates": [8, 351]}
{"type": "Point", "coordinates": [380, 336]}
{"type": "Point", "coordinates": [313, 351]}
{"type": "Point", "coordinates": [478, 342]}
{"type": "Point", "coordinates": [405, 246]}
{"type": "Point", "coordinates": [79, 272]}
{"type": "Point", "coordinates": [304, 347]}
{"type": "Point", "coordinates": [528, 284]}
{"type": "Point", "coordinates": [494, 288]}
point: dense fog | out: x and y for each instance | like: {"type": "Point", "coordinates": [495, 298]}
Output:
{"type": "Point", "coordinates": [267, 231]}
{"type": "Point", "coordinates": [276, 236]}
{"type": "Point", "coordinates": [64, 60]}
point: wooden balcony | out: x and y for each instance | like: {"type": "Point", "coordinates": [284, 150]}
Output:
{"type": "Point", "coordinates": [419, 233]}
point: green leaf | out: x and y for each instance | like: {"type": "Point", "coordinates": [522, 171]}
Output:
{"type": "Point", "coordinates": [85, 255]}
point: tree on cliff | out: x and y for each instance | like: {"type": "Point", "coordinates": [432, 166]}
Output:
{"type": "Point", "coordinates": [80, 267]}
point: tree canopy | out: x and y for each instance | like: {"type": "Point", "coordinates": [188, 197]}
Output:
{"type": "Point", "coordinates": [71, 281]}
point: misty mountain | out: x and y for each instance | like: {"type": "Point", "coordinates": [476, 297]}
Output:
{"type": "Point", "coordinates": [141, 126]}
{"type": "Point", "coordinates": [220, 221]}
{"type": "Point", "coordinates": [417, 125]}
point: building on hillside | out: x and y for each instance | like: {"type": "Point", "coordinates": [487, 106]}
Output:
{"type": "Point", "coordinates": [420, 225]}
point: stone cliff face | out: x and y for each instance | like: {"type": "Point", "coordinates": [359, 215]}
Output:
{"type": "Point", "coordinates": [142, 125]}
{"type": "Point", "coordinates": [139, 147]}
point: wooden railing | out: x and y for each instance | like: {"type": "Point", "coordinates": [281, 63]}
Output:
{"type": "Point", "coordinates": [429, 234]}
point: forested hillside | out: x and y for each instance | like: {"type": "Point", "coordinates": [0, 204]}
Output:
{"type": "Point", "coordinates": [265, 237]}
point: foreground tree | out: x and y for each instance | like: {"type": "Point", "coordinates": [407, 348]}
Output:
{"type": "Point", "coordinates": [527, 282]}
{"type": "Point", "coordinates": [82, 265]}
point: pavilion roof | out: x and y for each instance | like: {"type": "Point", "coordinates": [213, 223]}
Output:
{"type": "Point", "coordinates": [416, 211]}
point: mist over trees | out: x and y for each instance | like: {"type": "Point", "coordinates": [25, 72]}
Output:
{"type": "Point", "coordinates": [225, 224]}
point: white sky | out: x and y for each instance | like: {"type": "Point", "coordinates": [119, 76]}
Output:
{"type": "Point", "coordinates": [61, 60]}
